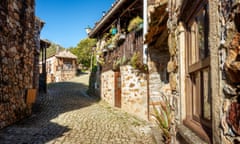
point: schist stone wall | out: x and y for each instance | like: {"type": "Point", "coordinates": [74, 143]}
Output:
{"type": "Point", "coordinates": [107, 87]}
{"type": "Point", "coordinates": [134, 97]}
{"type": "Point", "coordinates": [17, 53]}
{"type": "Point", "coordinates": [134, 92]}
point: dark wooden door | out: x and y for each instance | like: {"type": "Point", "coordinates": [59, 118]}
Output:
{"type": "Point", "coordinates": [117, 89]}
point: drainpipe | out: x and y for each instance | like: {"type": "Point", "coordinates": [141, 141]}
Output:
{"type": "Point", "coordinates": [145, 27]}
{"type": "Point", "coordinates": [145, 54]}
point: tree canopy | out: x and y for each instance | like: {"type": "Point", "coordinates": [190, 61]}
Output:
{"type": "Point", "coordinates": [83, 51]}
{"type": "Point", "coordinates": [52, 49]}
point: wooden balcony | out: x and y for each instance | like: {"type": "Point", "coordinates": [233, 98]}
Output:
{"type": "Point", "coordinates": [124, 51]}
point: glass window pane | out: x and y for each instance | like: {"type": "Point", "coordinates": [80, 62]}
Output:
{"type": "Point", "coordinates": [196, 96]}
{"type": "Point", "coordinates": [193, 56]}
{"type": "Point", "coordinates": [206, 95]}
{"type": "Point", "coordinates": [202, 31]}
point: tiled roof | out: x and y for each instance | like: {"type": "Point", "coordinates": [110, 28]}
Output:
{"type": "Point", "coordinates": [66, 54]}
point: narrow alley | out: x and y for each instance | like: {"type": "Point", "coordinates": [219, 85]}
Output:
{"type": "Point", "coordinates": [67, 115]}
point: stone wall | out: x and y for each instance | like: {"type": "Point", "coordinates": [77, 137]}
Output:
{"type": "Point", "coordinates": [230, 70]}
{"type": "Point", "coordinates": [56, 72]}
{"type": "Point", "coordinates": [17, 23]}
{"type": "Point", "coordinates": [158, 75]}
{"type": "Point", "coordinates": [134, 92]}
{"type": "Point", "coordinates": [38, 27]}
{"type": "Point", "coordinates": [107, 87]}
{"type": "Point", "coordinates": [224, 42]}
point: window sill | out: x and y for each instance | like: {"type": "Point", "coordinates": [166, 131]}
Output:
{"type": "Point", "coordinates": [188, 135]}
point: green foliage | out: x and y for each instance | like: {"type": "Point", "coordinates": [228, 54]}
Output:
{"type": "Point", "coordinates": [94, 68]}
{"type": "Point", "coordinates": [84, 51]}
{"type": "Point", "coordinates": [52, 50]}
{"type": "Point", "coordinates": [163, 117]}
{"type": "Point", "coordinates": [101, 61]}
{"type": "Point", "coordinates": [119, 62]}
{"type": "Point", "coordinates": [134, 23]}
{"type": "Point", "coordinates": [136, 62]}
{"type": "Point", "coordinates": [116, 64]}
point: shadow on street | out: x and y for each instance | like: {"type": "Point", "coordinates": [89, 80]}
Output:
{"type": "Point", "coordinates": [61, 98]}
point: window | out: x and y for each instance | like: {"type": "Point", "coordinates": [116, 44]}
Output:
{"type": "Point", "coordinates": [67, 65]}
{"type": "Point", "coordinates": [198, 97]}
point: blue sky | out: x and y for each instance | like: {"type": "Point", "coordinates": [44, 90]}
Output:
{"type": "Point", "coordinates": [66, 20]}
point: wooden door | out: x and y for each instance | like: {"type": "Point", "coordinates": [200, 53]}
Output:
{"type": "Point", "coordinates": [117, 88]}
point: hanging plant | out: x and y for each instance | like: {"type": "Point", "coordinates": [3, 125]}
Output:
{"type": "Point", "coordinates": [100, 60]}
{"type": "Point", "coordinates": [112, 42]}
{"type": "Point", "coordinates": [113, 30]}
{"type": "Point", "coordinates": [135, 23]}
{"type": "Point", "coordinates": [121, 37]}
{"type": "Point", "coordinates": [124, 60]}
{"type": "Point", "coordinates": [116, 64]}
{"type": "Point", "coordinates": [136, 62]}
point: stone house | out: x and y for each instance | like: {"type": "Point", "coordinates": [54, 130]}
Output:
{"type": "Point", "coordinates": [61, 66]}
{"type": "Point", "coordinates": [203, 69]}
{"type": "Point", "coordinates": [192, 60]}
{"type": "Point", "coordinates": [20, 49]}
{"type": "Point", "coordinates": [119, 49]}
{"type": "Point", "coordinates": [131, 75]}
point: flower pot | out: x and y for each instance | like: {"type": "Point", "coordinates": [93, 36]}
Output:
{"type": "Point", "coordinates": [114, 31]}
{"type": "Point", "coordinates": [104, 50]}
{"type": "Point", "coordinates": [122, 37]}
{"type": "Point", "coordinates": [111, 46]}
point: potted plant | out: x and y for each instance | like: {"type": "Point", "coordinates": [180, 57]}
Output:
{"type": "Point", "coordinates": [113, 30]}
{"type": "Point", "coordinates": [135, 23]}
{"type": "Point", "coordinates": [101, 61]}
{"type": "Point", "coordinates": [112, 42]}
{"type": "Point", "coordinates": [136, 62]}
{"type": "Point", "coordinates": [116, 64]}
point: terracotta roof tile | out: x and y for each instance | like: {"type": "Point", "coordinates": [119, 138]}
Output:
{"type": "Point", "coordinates": [66, 54]}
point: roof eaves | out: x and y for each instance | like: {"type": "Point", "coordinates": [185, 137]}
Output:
{"type": "Point", "coordinates": [110, 12]}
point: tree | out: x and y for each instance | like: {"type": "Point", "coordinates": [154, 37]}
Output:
{"type": "Point", "coordinates": [83, 51]}
{"type": "Point", "coordinates": [52, 49]}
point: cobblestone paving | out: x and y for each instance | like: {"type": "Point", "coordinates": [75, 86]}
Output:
{"type": "Point", "coordinates": [67, 116]}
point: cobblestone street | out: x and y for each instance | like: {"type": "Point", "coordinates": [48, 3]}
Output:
{"type": "Point", "coordinates": [66, 115]}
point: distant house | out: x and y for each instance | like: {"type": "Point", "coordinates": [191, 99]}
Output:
{"type": "Point", "coordinates": [61, 66]}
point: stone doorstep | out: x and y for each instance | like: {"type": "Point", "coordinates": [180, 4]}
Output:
{"type": "Point", "coordinates": [157, 134]}
{"type": "Point", "coordinates": [188, 136]}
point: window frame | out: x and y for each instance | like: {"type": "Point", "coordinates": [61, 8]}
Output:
{"type": "Point", "coordinates": [194, 84]}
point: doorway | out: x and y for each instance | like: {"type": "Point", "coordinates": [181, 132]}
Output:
{"type": "Point", "coordinates": [117, 87]}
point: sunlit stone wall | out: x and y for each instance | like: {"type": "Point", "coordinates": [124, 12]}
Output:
{"type": "Point", "coordinates": [17, 51]}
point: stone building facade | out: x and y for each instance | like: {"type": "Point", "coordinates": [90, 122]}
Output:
{"type": "Point", "coordinates": [121, 83]}
{"type": "Point", "coordinates": [61, 67]}
{"type": "Point", "coordinates": [193, 62]}
{"type": "Point", "coordinates": [203, 69]}
{"type": "Point", "coordinates": [20, 45]}
{"type": "Point", "coordinates": [135, 89]}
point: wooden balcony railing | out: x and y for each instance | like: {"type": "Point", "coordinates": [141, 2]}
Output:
{"type": "Point", "coordinates": [133, 43]}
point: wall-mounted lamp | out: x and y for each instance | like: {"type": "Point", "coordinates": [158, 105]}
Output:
{"type": "Point", "coordinates": [88, 29]}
